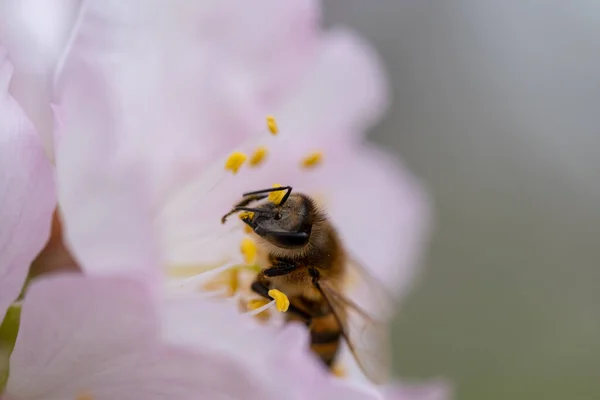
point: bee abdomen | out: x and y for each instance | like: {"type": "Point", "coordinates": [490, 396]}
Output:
{"type": "Point", "coordinates": [325, 336]}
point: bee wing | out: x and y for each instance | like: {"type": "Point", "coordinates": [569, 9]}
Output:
{"type": "Point", "coordinates": [367, 291]}
{"type": "Point", "coordinates": [365, 326]}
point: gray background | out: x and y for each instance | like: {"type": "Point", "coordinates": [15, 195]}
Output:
{"type": "Point", "coordinates": [497, 109]}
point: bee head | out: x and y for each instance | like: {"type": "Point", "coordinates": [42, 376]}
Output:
{"type": "Point", "coordinates": [287, 225]}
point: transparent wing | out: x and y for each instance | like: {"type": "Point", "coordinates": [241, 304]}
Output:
{"type": "Point", "coordinates": [363, 308]}
{"type": "Point", "coordinates": [367, 292]}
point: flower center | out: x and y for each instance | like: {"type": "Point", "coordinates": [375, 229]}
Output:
{"type": "Point", "coordinates": [234, 279]}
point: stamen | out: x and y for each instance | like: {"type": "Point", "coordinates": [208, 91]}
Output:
{"type": "Point", "coordinates": [312, 160]}
{"type": "Point", "coordinates": [249, 250]}
{"type": "Point", "coordinates": [235, 161]}
{"type": "Point", "coordinates": [259, 156]}
{"type": "Point", "coordinates": [260, 310]}
{"type": "Point", "coordinates": [276, 197]}
{"type": "Point", "coordinates": [255, 304]}
{"type": "Point", "coordinates": [281, 300]}
{"type": "Point", "coordinates": [203, 279]}
{"type": "Point", "coordinates": [272, 125]}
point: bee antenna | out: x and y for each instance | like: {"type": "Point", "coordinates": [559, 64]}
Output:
{"type": "Point", "coordinates": [256, 210]}
{"type": "Point", "coordinates": [275, 189]}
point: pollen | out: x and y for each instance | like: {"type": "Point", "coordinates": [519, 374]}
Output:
{"type": "Point", "coordinates": [281, 300]}
{"type": "Point", "coordinates": [312, 160]}
{"type": "Point", "coordinates": [246, 215]}
{"type": "Point", "coordinates": [276, 197]}
{"type": "Point", "coordinates": [249, 250]}
{"type": "Point", "coordinates": [258, 156]}
{"type": "Point", "coordinates": [272, 125]}
{"type": "Point", "coordinates": [235, 161]}
{"type": "Point", "coordinates": [247, 229]}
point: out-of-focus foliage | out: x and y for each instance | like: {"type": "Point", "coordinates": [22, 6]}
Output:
{"type": "Point", "coordinates": [496, 108]}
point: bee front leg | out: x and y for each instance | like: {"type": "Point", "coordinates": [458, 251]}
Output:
{"type": "Point", "coordinates": [261, 286]}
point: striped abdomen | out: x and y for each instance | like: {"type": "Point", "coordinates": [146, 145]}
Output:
{"type": "Point", "coordinates": [325, 330]}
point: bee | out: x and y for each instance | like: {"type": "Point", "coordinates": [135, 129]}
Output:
{"type": "Point", "coordinates": [309, 263]}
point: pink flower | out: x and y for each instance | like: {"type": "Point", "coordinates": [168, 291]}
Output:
{"type": "Point", "coordinates": [211, 86]}
{"type": "Point", "coordinates": [27, 196]}
{"type": "Point", "coordinates": [99, 338]}
{"type": "Point", "coordinates": [102, 339]}
{"type": "Point", "coordinates": [149, 103]}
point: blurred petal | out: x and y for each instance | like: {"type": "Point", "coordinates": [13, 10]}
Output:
{"type": "Point", "coordinates": [280, 358]}
{"type": "Point", "coordinates": [383, 215]}
{"type": "Point", "coordinates": [34, 33]}
{"type": "Point", "coordinates": [27, 196]}
{"type": "Point", "coordinates": [105, 201]}
{"type": "Point", "coordinates": [185, 74]}
{"type": "Point", "coordinates": [344, 90]}
{"type": "Point", "coordinates": [99, 337]}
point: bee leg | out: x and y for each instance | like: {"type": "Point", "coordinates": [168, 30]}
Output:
{"type": "Point", "coordinates": [280, 269]}
{"type": "Point", "coordinates": [261, 287]}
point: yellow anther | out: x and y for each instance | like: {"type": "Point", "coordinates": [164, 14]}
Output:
{"type": "Point", "coordinates": [272, 125]}
{"type": "Point", "coordinates": [276, 197]}
{"type": "Point", "coordinates": [312, 160]}
{"type": "Point", "coordinates": [246, 215]}
{"type": "Point", "coordinates": [339, 371]}
{"type": "Point", "coordinates": [258, 156]}
{"type": "Point", "coordinates": [234, 281]}
{"type": "Point", "coordinates": [248, 249]}
{"type": "Point", "coordinates": [235, 161]}
{"type": "Point", "coordinates": [255, 304]}
{"type": "Point", "coordinates": [281, 300]}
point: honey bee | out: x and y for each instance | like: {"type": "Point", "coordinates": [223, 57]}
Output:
{"type": "Point", "coordinates": [309, 264]}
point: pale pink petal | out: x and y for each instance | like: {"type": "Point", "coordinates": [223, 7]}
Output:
{"type": "Point", "coordinates": [182, 74]}
{"type": "Point", "coordinates": [270, 43]}
{"type": "Point", "coordinates": [100, 337]}
{"type": "Point", "coordinates": [343, 91]}
{"type": "Point", "coordinates": [27, 196]}
{"type": "Point", "coordinates": [382, 214]}
{"type": "Point", "coordinates": [308, 377]}
{"type": "Point", "coordinates": [104, 197]}
{"type": "Point", "coordinates": [281, 358]}
{"type": "Point", "coordinates": [34, 33]}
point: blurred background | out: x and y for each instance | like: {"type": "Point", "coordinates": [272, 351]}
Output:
{"type": "Point", "coordinates": [497, 108]}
